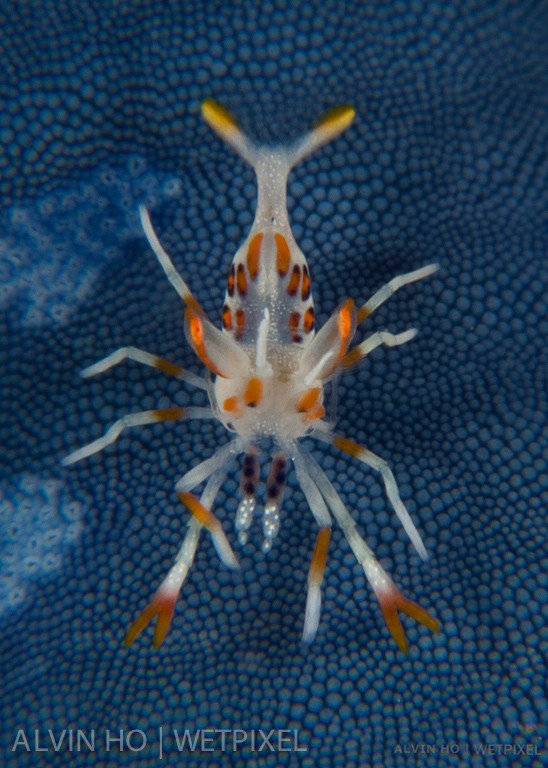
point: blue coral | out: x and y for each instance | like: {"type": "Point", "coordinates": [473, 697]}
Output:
{"type": "Point", "coordinates": [445, 162]}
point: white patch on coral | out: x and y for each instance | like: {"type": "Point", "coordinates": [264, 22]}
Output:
{"type": "Point", "coordinates": [38, 523]}
{"type": "Point", "coordinates": [51, 252]}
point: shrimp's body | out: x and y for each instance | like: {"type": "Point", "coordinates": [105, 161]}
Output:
{"type": "Point", "coordinates": [268, 374]}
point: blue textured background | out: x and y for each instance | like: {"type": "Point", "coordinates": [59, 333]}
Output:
{"type": "Point", "coordinates": [446, 161]}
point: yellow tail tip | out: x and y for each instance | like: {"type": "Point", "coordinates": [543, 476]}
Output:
{"type": "Point", "coordinates": [218, 117]}
{"type": "Point", "coordinates": [336, 119]}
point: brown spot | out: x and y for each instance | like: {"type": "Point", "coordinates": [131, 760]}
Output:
{"type": "Point", "coordinates": [166, 367]}
{"type": "Point", "coordinates": [201, 513]}
{"type": "Point", "coordinates": [283, 257]}
{"type": "Point", "coordinates": [348, 446]}
{"type": "Point", "coordinates": [297, 338]}
{"type": "Point", "coordinates": [253, 393]}
{"type": "Point", "coordinates": [275, 483]}
{"type": "Point", "coordinates": [294, 320]}
{"type": "Point", "coordinates": [168, 414]}
{"type": "Point", "coordinates": [231, 281]}
{"type": "Point", "coordinates": [294, 280]}
{"type": "Point", "coordinates": [193, 304]}
{"type": "Point", "coordinates": [241, 280]}
{"type": "Point", "coordinates": [305, 287]}
{"type": "Point", "coordinates": [250, 473]}
{"type": "Point", "coordinates": [319, 558]}
{"type": "Point", "coordinates": [361, 314]}
{"type": "Point", "coordinates": [308, 323]}
{"type": "Point", "coordinates": [240, 324]}
{"type": "Point", "coordinates": [352, 357]}
{"type": "Point", "coordinates": [253, 253]}
{"type": "Point", "coordinates": [227, 318]}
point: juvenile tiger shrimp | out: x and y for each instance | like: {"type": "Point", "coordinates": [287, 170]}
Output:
{"type": "Point", "coordinates": [267, 375]}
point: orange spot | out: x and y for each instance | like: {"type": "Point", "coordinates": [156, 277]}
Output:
{"type": "Point", "coordinates": [393, 601]}
{"type": "Point", "coordinates": [196, 330]}
{"type": "Point", "coordinates": [227, 318]}
{"type": "Point", "coordinates": [231, 405]}
{"type": "Point", "coordinates": [283, 257]}
{"type": "Point", "coordinates": [308, 399]}
{"type": "Point", "coordinates": [162, 606]}
{"type": "Point", "coordinates": [346, 326]}
{"type": "Point", "coordinates": [319, 558]}
{"type": "Point", "coordinates": [344, 321]}
{"type": "Point", "coordinates": [169, 414]}
{"type": "Point", "coordinates": [166, 367]}
{"type": "Point", "coordinates": [253, 393]}
{"type": "Point", "coordinates": [310, 406]}
{"type": "Point", "coordinates": [308, 323]}
{"type": "Point", "coordinates": [346, 445]}
{"type": "Point", "coordinates": [294, 320]}
{"type": "Point", "coordinates": [294, 280]}
{"type": "Point", "coordinates": [317, 412]}
{"type": "Point", "coordinates": [240, 323]}
{"type": "Point", "coordinates": [241, 280]}
{"type": "Point", "coordinates": [231, 281]}
{"type": "Point", "coordinates": [253, 253]}
{"type": "Point", "coordinates": [305, 287]}
{"type": "Point", "coordinates": [201, 513]}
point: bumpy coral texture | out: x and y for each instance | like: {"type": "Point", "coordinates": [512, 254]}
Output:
{"type": "Point", "coordinates": [446, 162]}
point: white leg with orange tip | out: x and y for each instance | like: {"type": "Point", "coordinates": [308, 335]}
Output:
{"type": "Point", "coordinates": [135, 420]}
{"type": "Point", "coordinates": [144, 358]}
{"type": "Point", "coordinates": [163, 602]}
{"type": "Point", "coordinates": [390, 598]}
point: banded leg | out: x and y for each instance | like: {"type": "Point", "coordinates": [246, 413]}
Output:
{"type": "Point", "coordinates": [319, 558]}
{"type": "Point", "coordinates": [163, 602]}
{"type": "Point", "coordinates": [374, 341]}
{"type": "Point", "coordinates": [375, 462]}
{"type": "Point", "coordinates": [219, 462]}
{"type": "Point", "coordinates": [208, 520]}
{"type": "Point", "coordinates": [138, 419]}
{"type": "Point", "coordinates": [202, 471]}
{"type": "Point", "coordinates": [145, 358]}
{"type": "Point", "coordinates": [390, 598]}
{"type": "Point", "coordinates": [390, 288]}
{"type": "Point", "coordinates": [315, 579]}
